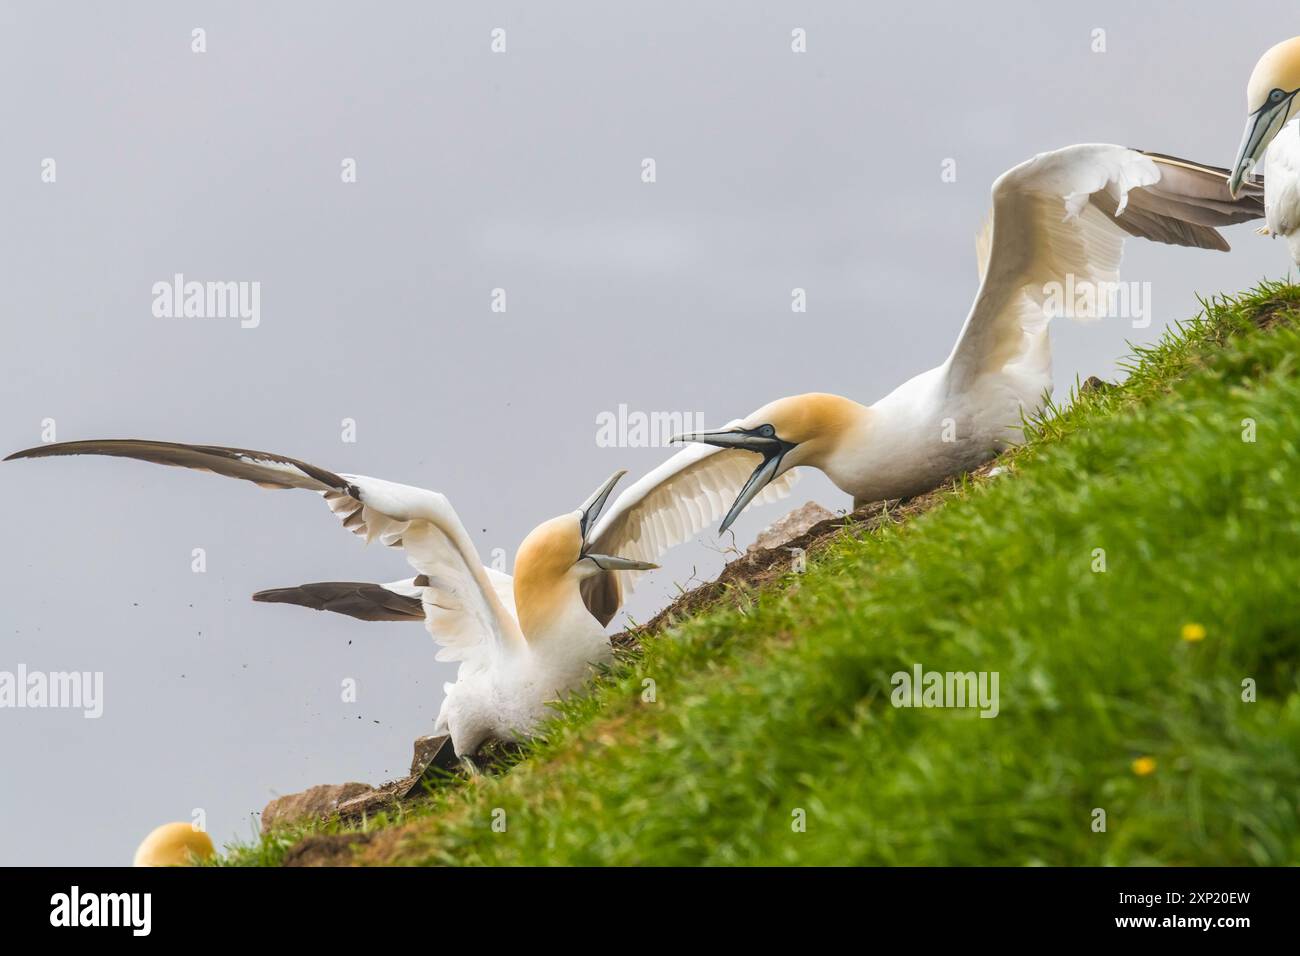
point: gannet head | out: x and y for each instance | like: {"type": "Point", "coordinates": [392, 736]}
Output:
{"type": "Point", "coordinates": [174, 844]}
{"type": "Point", "coordinates": [1270, 102]}
{"type": "Point", "coordinates": [556, 555]}
{"type": "Point", "coordinates": [799, 430]}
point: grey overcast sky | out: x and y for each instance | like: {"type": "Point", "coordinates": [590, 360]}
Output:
{"type": "Point", "coordinates": [475, 170]}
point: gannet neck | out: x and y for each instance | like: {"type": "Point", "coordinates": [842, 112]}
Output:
{"type": "Point", "coordinates": [561, 619]}
{"type": "Point", "coordinates": [546, 583]}
{"type": "Point", "coordinates": [820, 425]}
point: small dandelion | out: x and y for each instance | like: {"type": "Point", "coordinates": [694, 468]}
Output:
{"type": "Point", "coordinates": [1193, 632]}
{"type": "Point", "coordinates": [1144, 766]}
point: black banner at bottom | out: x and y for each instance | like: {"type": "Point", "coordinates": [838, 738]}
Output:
{"type": "Point", "coordinates": [381, 906]}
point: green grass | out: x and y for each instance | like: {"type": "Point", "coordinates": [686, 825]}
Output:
{"type": "Point", "coordinates": [786, 705]}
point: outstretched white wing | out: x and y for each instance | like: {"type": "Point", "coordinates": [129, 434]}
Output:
{"type": "Point", "coordinates": [667, 507]}
{"type": "Point", "coordinates": [463, 609]}
{"type": "Point", "coordinates": [1062, 218]}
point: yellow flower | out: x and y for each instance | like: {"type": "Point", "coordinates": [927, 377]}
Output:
{"type": "Point", "coordinates": [1193, 632]}
{"type": "Point", "coordinates": [1144, 766]}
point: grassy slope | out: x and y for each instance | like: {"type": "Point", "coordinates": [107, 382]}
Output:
{"type": "Point", "coordinates": [787, 705]}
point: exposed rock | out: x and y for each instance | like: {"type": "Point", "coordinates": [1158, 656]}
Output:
{"type": "Point", "coordinates": [786, 529]}
{"type": "Point", "coordinates": [372, 801]}
{"type": "Point", "coordinates": [320, 801]}
{"type": "Point", "coordinates": [432, 756]}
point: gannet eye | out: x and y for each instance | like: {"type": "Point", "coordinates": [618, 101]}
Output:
{"type": "Point", "coordinates": [767, 431]}
{"type": "Point", "coordinates": [1276, 95]}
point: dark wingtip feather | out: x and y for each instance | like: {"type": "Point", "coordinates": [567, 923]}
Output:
{"type": "Point", "coordinates": [361, 600]}
{"type": "Point", "coordinates": [39, 451]}
{"type": "Point", "coordinates": [276, 596]}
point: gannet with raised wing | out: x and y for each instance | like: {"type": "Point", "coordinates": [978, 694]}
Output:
{"type": "Point", "coordinates": [664, 508]}
{"type": "Point", "coordinates": [521, 642]}
{"type": "Point", "coordinates": [1273, 133]}
{"type": "Point", "coordinates": [1058, 220]}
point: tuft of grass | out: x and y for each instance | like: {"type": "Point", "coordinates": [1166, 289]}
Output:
{"type": "Point", "coordinates": [719, 736]}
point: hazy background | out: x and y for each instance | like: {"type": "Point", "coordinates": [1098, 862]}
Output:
{"type": "Point", "coordinates": [475, 171]}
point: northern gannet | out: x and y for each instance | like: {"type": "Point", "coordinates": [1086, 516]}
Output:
{"type": "Point", "coordinates": [173, 844]}
{"type": "Point", "coordinates": [1273, 126]}
{"type": "Point", "coordinates": [521, 641]}
{"type": "Point", "coordinates": [1060, 218]}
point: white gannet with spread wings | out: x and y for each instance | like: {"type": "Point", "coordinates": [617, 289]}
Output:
{"type": "Point", "coordinates": [521, 642]}
{"type": "Point", "coordinates": [1060, 218]}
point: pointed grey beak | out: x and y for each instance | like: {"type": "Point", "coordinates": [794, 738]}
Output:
{"type": "Point", "coordinates": [1261, 126]}
{"type": "Point", "coordinates": [759, 480]}
{"type": "Point", "coordinates": [591, 507]}
{"type": "Point", "coordinates": [763, 441]}
{"type": "Point", "coordinates": [608, 562]}
{"type": "Point", "coordinates": [742, 438]}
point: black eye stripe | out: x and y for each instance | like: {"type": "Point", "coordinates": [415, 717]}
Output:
{"type": "Point", "coordinates": [1275, 96]}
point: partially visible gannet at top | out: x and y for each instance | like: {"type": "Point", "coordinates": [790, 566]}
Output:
{"type": "Point", "coordinates": [1058, 220]}
{"type": "Point", "coordinates": [1273, 133]}
{"type": "Point", "coordinates": [174, 844]}
{"type": "Point", "coordinates": [522, 642]}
